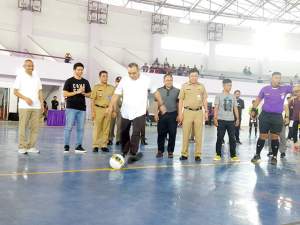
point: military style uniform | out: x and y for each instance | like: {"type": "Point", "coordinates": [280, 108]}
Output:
{"type": "Point", "coordinates": [114, 122]}
{"type": "Point", "coordinates": [101, 94]}
{"type": "Point", "coordinates": [193, 96]}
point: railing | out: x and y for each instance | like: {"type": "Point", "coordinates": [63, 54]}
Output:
{"type": "Point", "coordinates": [30, 54]}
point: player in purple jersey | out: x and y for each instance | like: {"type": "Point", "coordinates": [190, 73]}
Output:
{"type": "Point", "coordinates": [270, 119]}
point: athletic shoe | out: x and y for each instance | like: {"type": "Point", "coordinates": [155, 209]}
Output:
{"type": "Point", "coordinates": [159, 154]}
{"type": "Point", "coordinates": [104, 149]}
{"type": "Point", "coordinates": [182, 158]}
{"type": "Point", "coordinates": [282, 155]}
{"type": "Point", "coordinates": [256, 159]}
{"type": "Point", "coordinates": [33, 150]}
{"type": "Point", "coordinates": [79, 149]}
{"type": "Point", "coordinates": [235, 159]}
{"type": "Point", "coordinates": [198, 159]}
{"type": "Point", "coordinates": [274, 160]}
{"type": "Point", "coordinates": [270, 154]}
{"type": "Point", "coordinates": [67, 149]}
{"type": "Point", "coordinates": [22, 151]}
{"type": "Point", "coordinates": [217, 158]}
{"type": "Point", "coordinates": [95, 149]}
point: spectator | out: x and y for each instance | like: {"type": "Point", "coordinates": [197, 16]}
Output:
{"type": "Point", "coordinates": [245, 70]}
{"type": "Point", "coordinates": [249, 70]}
{"type": "Point", "coordinates": [54, 103]}
{"type": "Point", "coordinates": [45, 112]}
{"type": "Point", "coordinates": [166, 62]}
{"type": "Point", "coordinates": [68, 57]}
{"type": "Point", "coordinates": [156, 63]}
{"type": "Point", "coordinates": [145, 68]}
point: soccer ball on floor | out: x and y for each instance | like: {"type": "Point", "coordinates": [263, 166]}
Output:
{"type": "Point", "coordinates": [117, 161]}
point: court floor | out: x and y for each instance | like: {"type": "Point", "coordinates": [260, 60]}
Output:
{"type": "Point", "coordinates": [53, 188]}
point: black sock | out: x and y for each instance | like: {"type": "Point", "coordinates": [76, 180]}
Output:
{"type": "Point", "coordinates": [259, 146]}
{"type": "Point", "coordinates": [275, 146]}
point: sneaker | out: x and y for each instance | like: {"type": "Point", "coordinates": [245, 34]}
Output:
{"type": "Point", "coordinates": [255, 159]}
{"type": "Point", "coordinates": [235, 159]}
{"type": "Point", "coordinates": [282, 155]}
{"type": "Point", "coordinates": [80, 149]}
{"type": "Point", "coordinates": [182, 158]}
{"type": "Point", "coordinates": [159, 154]}
{"type": "Point", "coordinates": [274, 160]}
{"type": "Point", "coordinates": [109, 142]}
{"type": "Point", "coordinates": [22, 151]}
{"type": "Point", "coordinates": [198, 159]}
{"type": "Point", "coordinates": [104, 149]}
{"type": "Point", "coordinates": [96, 149]}
{"type": "Point", "coordinates": [270, 154]}
{"type": "Point", "coordinates": [67, 149]}
{"type": "Point", "coordinates": [170, 155]}
{"type": "Point", "coordinates": [33, 150]}
{"type": "Point", "coordinates": [217, 158]}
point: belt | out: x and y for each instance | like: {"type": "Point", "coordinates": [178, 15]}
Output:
{"type": "Point", "coordinates": [196, 109]}
{"type": "Point", "coordinates": [102, 106]}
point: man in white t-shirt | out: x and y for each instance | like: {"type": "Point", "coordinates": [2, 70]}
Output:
{"type": "Point", "coordinates": [28, 88]}
{"type": "Point", "coordinates": [134, 92]}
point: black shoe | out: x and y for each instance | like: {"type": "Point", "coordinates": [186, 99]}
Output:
{"type": "Point", "coordinates": [282, 155]}
{"type": "Point", "coordinates": [67, 148]}
{"type": "Point", "coordinates": [183, 158]}
{"type": "Point", "coordinates": [96, 149]}
{"type": "Point", "coordinates": [143, 142]}
{"type": "Point", "coordinates": [255, 159]}
{"type": "Point", "coordinates": [104, 149]}
{"type": "Point", "coordinates": [274, 160]}
{"type": "Point", "coordinates": [159, 154]}
{"type": "Point", "coordinates": [170, 155]}
{"type": "Point", "coordinates": [270, 154]}
{"type": "Point", "coordinates": [239, 142]}
{"type": "Point", "coordinates": [198, 159]}
{"type": "Point", "coordinates": [109, 142]}
{"type": "Point", "coordinates": [134, 157]}
{"type": "Point", "coordinates": [80, 149]}
{"type": "Point", "coordinates": [118, 143]}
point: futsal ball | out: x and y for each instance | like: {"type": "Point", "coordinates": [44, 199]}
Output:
{"type": "Point", "coordinates": [117, 161]}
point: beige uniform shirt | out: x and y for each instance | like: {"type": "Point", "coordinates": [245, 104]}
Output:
{"type": "Point", "coordinates": [192, 95]}
{"type": "Point", "coordinates": [101, 94]}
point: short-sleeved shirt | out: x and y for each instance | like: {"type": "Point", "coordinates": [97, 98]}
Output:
{"type": "Point", "coordinates": [29, 86]}
{"type": "Point", "coordinates": [76, 101]}
{"type": "Point", "coordinates": [296, 109]}
{"type": "Point", "coordinates": [169, 97]}
{"type": "Point", "coordinates": [226, 104]}
{"type": "Point", "coordinates": [101, 94]}
{"type": "Point", "coordinates": [192, 95]}
{"type": "Point", "coordinates": [274, 97]}
{"type": "Point", "coordinates": [134, 96]}
{"type": "Point", "coordinates": [54, 104]}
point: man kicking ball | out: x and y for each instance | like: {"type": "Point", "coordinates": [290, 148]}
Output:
{"type": "Point", "coordinates": [270, 119]}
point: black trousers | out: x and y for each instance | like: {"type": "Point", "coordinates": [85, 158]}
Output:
{"type": "Point", "coordinates": [167, 124]}
{"type": "Point", "coordinates": [295, 131]}
{"type": "Point", "coordinates": [237, 131]}
{"type": "Point", "coordinates": [224, 126]}
{"type": "Point", "coordinates": [131, 144]}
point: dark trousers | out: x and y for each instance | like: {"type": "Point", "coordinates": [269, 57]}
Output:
{"type": "Point", "coordinates": [237, 131]}
{"type": "Point", "coordinates": [131, 144]}
{"type": "Point", "coordinates": [224, 126]}
{"type": "Point", "coordinates": [290, 134]}
{"type": "Point", "coordinates": [254, 123]}
{"type": "Point", "coordinates": [167, 124]}
{"type": "Point", "coordinates": [295, 131]}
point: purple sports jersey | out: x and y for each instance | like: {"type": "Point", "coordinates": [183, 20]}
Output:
{"type": "Point", "coordinates": [274, 97]}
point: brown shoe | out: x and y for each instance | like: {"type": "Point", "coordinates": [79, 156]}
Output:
{"type": "Point", "coordinates": [170, 155]}
{"type": "Point", "coordinates": [159, 154]}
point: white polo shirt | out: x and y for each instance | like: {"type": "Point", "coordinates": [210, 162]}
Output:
{"type": "Point", "coordinates": [28, 86]}
{"type": "Point", "coordinates": [134, 96]}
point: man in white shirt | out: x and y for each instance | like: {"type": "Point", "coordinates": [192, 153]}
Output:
{"type": "Point", "coordinates": [134, 92]}
{"type": "Point", "coordinates": [28, 88]}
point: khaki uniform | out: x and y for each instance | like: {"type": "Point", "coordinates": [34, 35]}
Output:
{"type": "Point", "coordinates": [114, 122]}
{"type": "Point", "coordinates": [192, 96]}
{"type": "Point", "coordinates": [101, 94]}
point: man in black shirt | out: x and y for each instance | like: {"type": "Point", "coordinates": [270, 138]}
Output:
{"type": "Point", "coordinates": [76, 89]}
{"type": "Point", "coordinates": [241, 106]}
{"type": "Point", "coordinates": [54, 103]}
